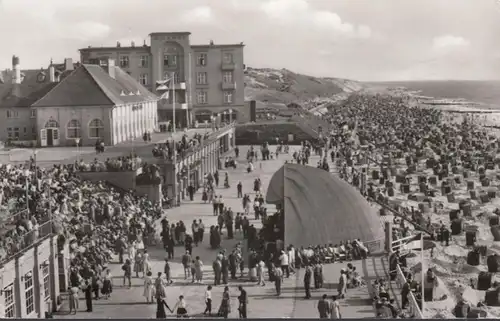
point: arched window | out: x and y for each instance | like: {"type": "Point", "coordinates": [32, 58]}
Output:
{"type": "Point", "coordinates": [96, 129]}
{"type": "Point", "coordinates": [51, 124]}
{"type": "Point", "coordinates": [73, 129]}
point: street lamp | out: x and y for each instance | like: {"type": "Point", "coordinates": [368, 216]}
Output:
{"type": "Point", "coordinates": [224, 119]}
{"type": "Point", "coordinates": [77, 142]}
{"type": "Point", "coordinates": [212, 122]}
{"type": "Point", "coordinates": [27, 175]}
{"type": "Point", "coordinates": [230, 116]}
{"type": "Point", "coordinates": [206, 125]}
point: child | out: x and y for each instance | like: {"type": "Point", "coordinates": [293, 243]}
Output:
{"type": "Point", "coordinates": [208, 301]}
{"type": "Point", "coordinates": [181, 307]}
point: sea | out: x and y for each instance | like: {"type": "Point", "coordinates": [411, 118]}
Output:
{"type": "Point", "coordinates": [484, 92]}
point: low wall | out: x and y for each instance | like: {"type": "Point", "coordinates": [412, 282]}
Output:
{"type": "Point", "coordinates": [257, 134]}
{"type": "Point", "coordinates": [125, 181]}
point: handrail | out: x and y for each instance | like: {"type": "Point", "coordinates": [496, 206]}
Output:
{"type": "Point", "coordinates": [211, 138]}
{"type": "Point", "coordinates": [28, 239]}
{"type": "Point", "coordinates": [400, 243]}
{"type": "Point", "coordinates": [11, 219]}
{"type": "Point", "coordinates": [415, 311]}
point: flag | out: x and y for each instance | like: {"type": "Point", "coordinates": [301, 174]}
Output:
{"type": "Point", "coordinates": [163, 85]}
{"type": "Point", "coordinates": [164, 95]}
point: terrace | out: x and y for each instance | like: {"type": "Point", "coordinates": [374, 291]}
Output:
{"type": "Point", "coordinates": [15, 236]}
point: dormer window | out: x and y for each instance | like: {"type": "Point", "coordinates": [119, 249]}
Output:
{"type": "Point", "coordinates": [131, 94]}
{"type": "Point", "coordinates": [41, 77]}
{"type": "Point", "coordinates": [122, 93]}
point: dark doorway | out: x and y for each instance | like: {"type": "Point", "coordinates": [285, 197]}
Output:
{"type": "Point", "coordinates": [50, 137]}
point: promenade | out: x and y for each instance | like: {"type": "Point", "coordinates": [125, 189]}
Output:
{"type": "Point", "coordinates": [263, 302]}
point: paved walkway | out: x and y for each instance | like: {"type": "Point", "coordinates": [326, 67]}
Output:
{"type": "Point", "coordinates": [263, 303]}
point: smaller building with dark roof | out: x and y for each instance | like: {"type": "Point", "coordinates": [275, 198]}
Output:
{"type": "Point", "coordinates": [71, 104]}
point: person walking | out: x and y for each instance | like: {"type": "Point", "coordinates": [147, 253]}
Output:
{"type": "Point", "coordinates": [208, 301]}
{"type": "Point", "coordinates": [278, 279]}
{"type": "Point", "coordinates": [225, 306]}
{"type": "Point", "coordinates": [335, 308]}
{"type": "Point", "coordinates": [160, 308]}
{"type": "Point", "coordinates": [323, 307]}
{"type": "Point", "coordinates": [181, 308]}
{"type": "Point", "coordinates": [307, 281]}
{"type": "Point", "coordinates": [243, 300]}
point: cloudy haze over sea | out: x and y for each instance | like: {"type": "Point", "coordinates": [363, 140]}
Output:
{"type": "Point", "coordinates": [369, 40]}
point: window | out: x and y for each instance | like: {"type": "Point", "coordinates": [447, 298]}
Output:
{"type": "Point", "coordinates": [33, 113]}
{"type": "Point", "coordinates": [29, 293]}
{"type": "Point", "coordinates": [227, 77]}
{"type": "Point", "coordinates": [202, 59]}
{"type": "Point", "coordinates": [9, 301]}
{"type": "Point", "coordinates": [12, 114]}
{"type": "Point", "coordinates": [201, 97]}
{"type": "Point", "coordinates": [201, 78]}
{"type": "Point", "coordinates": [227, 58]}
{"type": "Point", "coordinates": [96, 129]}
{"type": "Point", "coordinates": [143, 79]}
{"type": "Point", "coordinates": [46, 281]}
{"type": "Point", "coordinates": [144, 62]}
{"type": "Point", "coordinates": [124, 62]}
{"type": "Point", "coordinates": [13, 133]}
{"type": "Point", "coordinates": [103, 62]}
{"type": "Point", "coordinates": [169, 60]}
{"type": "Point", "coordinates": [177, 79]}
{"type": "Point", "coordinates": [228, 97]}
{"type": "Point", "coordinates": [51, 124]}
{"type": "Point", "coordinates": [73, 130]}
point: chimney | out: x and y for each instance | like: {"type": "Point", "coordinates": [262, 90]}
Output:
{"type": "Point", "coordinates": [144, 45]}
{"type": "Point", "coordinates": [132, 44]}
{"type": "Point", "coordinates": [68, 64]}
{"type": "Point", "coordinates": [52, 74]}
{"type": "Point", "coordinates": [111, 68]}
{"type": "Point", "coordinates": [17, 70]}
{"type": "Point", "coordinates": [118, 44]}
{"type": "Point", "coordinates": [211, 42]}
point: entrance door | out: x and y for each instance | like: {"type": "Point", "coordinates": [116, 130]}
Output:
{"type": "Point", "coordinates": [43, 137]}
{"type": "Point", "coordinates": [55, 137]}
{"type": "Point", "coordinates": [50, 139]}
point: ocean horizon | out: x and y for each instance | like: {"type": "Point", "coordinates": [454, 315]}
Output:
{"type": "Point", "coordinates": [479, 91]}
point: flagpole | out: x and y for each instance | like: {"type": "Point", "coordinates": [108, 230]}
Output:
{"type": "Point", "coordinates": [173, 138]}
{"type": "Point", "coordinates": [423, 270]}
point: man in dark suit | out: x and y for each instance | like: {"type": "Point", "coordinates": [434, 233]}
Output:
{"type": "Point", "coordinates": [243, 299]}
{"type": "Point", "coordinates": [307, 281]}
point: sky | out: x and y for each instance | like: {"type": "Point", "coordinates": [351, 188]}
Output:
{"type": "Point", "coordinates": [367, 40]}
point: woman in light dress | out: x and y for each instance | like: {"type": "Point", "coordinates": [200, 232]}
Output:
{"type": "Point", "coordinates": [198, 267]}
{"type": "Point", "coordinates": [160, 285]}
{"type": "Point", "coordinates": [132, 250]}
{"type": "Point", "coordinates": [146, 264]}
{"type": "Point", "coordinates": [149, 288]}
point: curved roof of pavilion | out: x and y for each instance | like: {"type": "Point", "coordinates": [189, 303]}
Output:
{"type": "Point", "coordinates": [321, 208]}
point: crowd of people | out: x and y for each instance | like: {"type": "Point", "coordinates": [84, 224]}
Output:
{"type": "Point", "coordinates": [119, 164]}
{"type": "Point", "coordinates": [181, 147]}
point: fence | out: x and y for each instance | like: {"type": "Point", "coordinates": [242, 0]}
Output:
{"type": "Point", "coordinates": [415, 310]}
{"type": "Point", "coordinates": [211, 138]}
{"type": "Point", "coordinates": [27, 240]}
{"type": "Point", "coordinates": [400, 244]}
